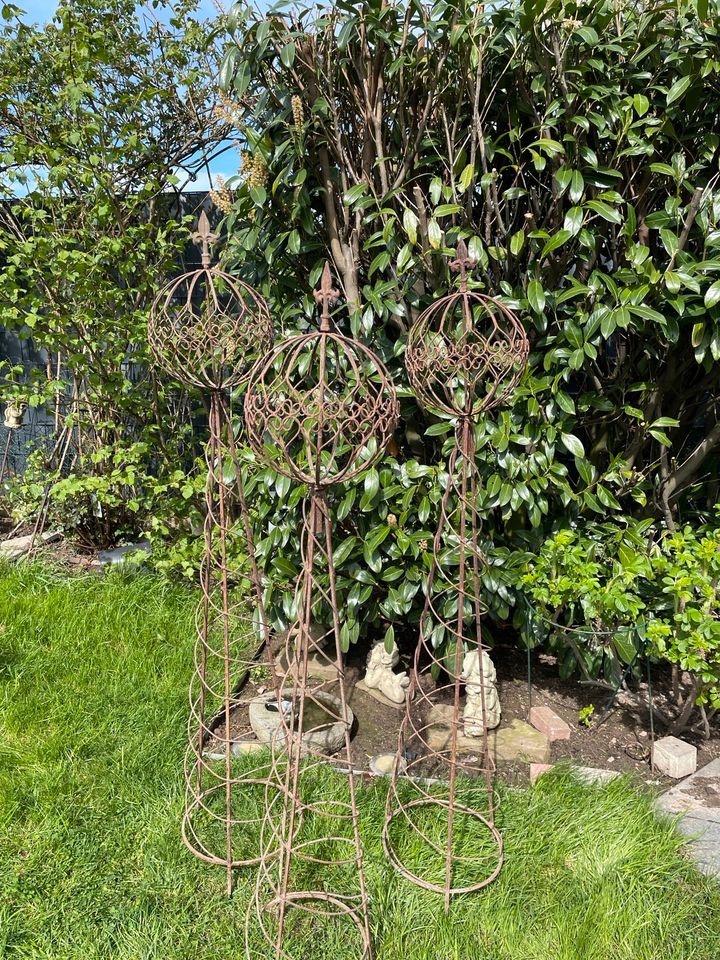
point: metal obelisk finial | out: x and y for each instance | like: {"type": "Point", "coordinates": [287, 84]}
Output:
{"type": "Point", "coordinates": [462, 263]}
{"type": "Point", "coordinates": [204, 236]}
{"type": "Point", "coordinates": [327, 295]}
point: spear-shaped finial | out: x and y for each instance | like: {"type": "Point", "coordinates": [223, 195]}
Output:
{"type": "Point", "coordinates": [204, 236]}
{"type": "Point", "coordinates": [327, 295]}
{"type": "Point", "coordinates": [462, 263]}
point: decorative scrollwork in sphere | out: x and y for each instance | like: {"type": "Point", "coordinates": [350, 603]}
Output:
{"type": "Point", "coordinates": [466, 352]}
{"type": "Point", "coordinates": [321, 407]}
{"type": "Point", "coordinates": [206, 328]}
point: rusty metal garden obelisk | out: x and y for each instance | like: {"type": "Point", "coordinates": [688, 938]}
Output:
{"type": "Point", "coordinates": [320, 409]}
{"type": "Point", "coordinates": [465, 354]}
{"type": "Point", "coordinates": [206, 329]}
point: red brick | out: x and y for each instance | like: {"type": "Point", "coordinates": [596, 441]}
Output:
{"type": "Point", "coordinates": [548, 722]}
{"type": "Point", "coordinates": [538, 769]}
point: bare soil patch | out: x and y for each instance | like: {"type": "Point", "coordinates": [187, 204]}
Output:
{"type": "Point", "coordinates": [618, 737]}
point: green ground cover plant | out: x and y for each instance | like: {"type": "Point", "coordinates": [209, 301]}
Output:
{"type": "Point", "coordinates": [606, 596]}
{"type": "Point", "coordinates": [93, 672]}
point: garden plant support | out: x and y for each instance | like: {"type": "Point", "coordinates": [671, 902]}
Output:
{"type": "Point", "coordinates": [465, 354]}
{"type": "Point", "coordinates": [206, 329]}
{"type": "Point", "coordinates": [320, 409]}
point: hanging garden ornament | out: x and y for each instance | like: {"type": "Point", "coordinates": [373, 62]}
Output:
{"type": "Point", "coordinates": [465, 355]}
{"type": "Point", "coordinates": [13, 420]}
{"type": "Point", "coordinates": [466, 352]}
{"type": "Point", "coordinates": [320, 409]}
{"type": "Point", "coordinates": [206, 329]}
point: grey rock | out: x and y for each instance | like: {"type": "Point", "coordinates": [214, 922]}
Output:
{"type": "Point", "coordinates": [595, 775]}
{"type": "Point", "coordinates": [698, 799]}
{"type": "Point", "coordinates": [325, 738]}
{"type": "Point", "coordinates": [17, 547]}
{"type": "Point", "coordinates": [383, 764]}
{"type": "Point", "coordinates": [704, 845]}
{"type": "Point", "coordinates": [518, 741]}
{"type": "Point", "coordinates": [698, 796]}
{"type": "Point", "coordinates": [109, 558]}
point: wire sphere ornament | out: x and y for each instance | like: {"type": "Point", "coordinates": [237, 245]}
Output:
{"type": "Point", "coordinates": [321, 407]}
{"type": "Point", "coordinates": [465, 355]}
{"type": "Point", "coordinates": [206, 328]}
{"type": "Point", "coordinates": [466, 352]}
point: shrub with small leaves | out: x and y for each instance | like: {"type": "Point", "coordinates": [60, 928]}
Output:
{"type": "Point", "coordinates": [609, 596]}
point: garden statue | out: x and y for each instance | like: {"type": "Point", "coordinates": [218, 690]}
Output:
{"type": "Point", "coordinates": [14, 415]}
{"type": "Point", "coordinates": [481, 696]}
{"type": "Point", "coordinates": [379, 674]}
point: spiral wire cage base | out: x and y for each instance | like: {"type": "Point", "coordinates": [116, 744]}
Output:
{"type": "Point", "coordinates": [461, 849]}
{"type": "Point", "coordinates": [206, 329]}
{"type": "Point", "coordinates": [320, 409]}
{"type": "Point", "coordinates": [319, 869]}
{"type": "Point", "coordinates": [225, 786]}
{"type": "Point", "coordinates": [465, 355]}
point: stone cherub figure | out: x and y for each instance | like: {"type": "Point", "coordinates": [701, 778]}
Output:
{"type": "Point", "coordinates": [477, 685]}
{"type": "Point", "coordinates": [14, 415]}
{"type": "Point", "coordinates": [379, 674]}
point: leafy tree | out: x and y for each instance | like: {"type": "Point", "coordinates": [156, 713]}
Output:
{"type": "Point", "coordinates": [103, 117]}
{"type": "Point", "coordinates": [575, 148]}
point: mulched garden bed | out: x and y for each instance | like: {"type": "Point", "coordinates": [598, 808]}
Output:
{"type": "Point", "coordinates": [618, 737]}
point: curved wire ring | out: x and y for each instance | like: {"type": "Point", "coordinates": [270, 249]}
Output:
{"type": "Point", "coordinates": [206, 328]}
{"type": "Point", "coordinates": [416, 878]}
{"type": "Point", "coordinates": [320, 408]}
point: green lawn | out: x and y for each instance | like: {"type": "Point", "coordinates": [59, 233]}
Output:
{"type": "Point", "coordinates": [93, 677]}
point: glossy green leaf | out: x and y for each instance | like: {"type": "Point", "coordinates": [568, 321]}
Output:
{"type": "Point", "coordinates": [517, 242]}
{"type": "Point", "coordinates": [574, 220]}
{"type": "Point", "coordinates": [678, 89]}
{"type": "Point", "coordinates": [712, 294]}
{"type": "Point", "coordinates": [536, 295]}
{"type": "Point", "coordinates": [573, 444]}
{"type": "Point", "coordinates": [287, 54]}
{"type": "Point", "coordinates": [604, 210]}
{"type": "Point", "coordinates": [641, 104]}
{"type": "Point", "coordinates": [556, 241]}
{"type": "Point", "coordinates": [435, 234]}
{"type": "Point", "coordinates": [466, 177]}
{"type": "Point", "coordinates": [410, 222]}
{"type": "Point", "coordinates": [577, 186]}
